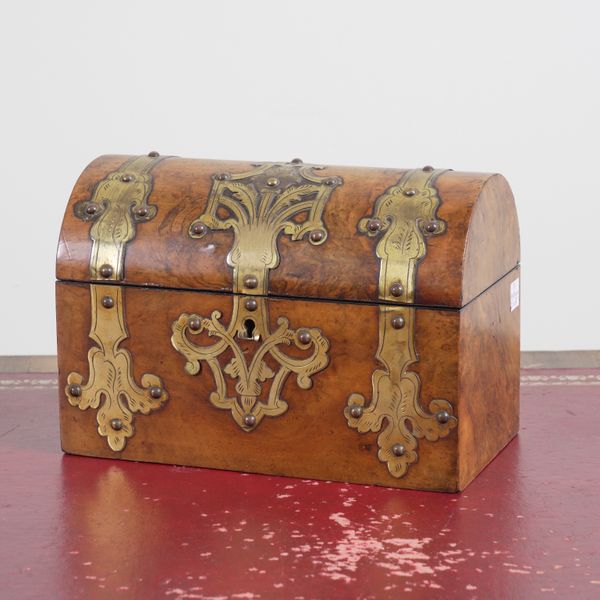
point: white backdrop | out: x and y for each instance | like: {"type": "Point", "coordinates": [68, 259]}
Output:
{"type": "Point", "coordinates": [508, 86]}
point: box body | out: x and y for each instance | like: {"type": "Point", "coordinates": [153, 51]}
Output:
{"type": "Point", "coordinates": [178, 357]}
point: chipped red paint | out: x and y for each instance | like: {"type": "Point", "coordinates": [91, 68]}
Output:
{"type": "Point", "coordinates": [528, 527]}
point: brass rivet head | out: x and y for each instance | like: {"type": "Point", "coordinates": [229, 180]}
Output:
{"type": "Point", "coordinates": [155, 392]}
{"type": "Point", "coordinates": [410, 192]}
{"type": "Point", "coordinates": [356, 411]}
{"type": "Point", "coordinates": [304, 336]}
{"type": "Point", "coordinates": [142, 211]}
{"type": "Point", "coordinates": [75, 390]}
{"type": "Point", "coordinates": [251, 281]}
{"type": "Point", "coordinates": [222, 176]}
{"type": "Point", "coordinates": [272, 181]}
{"type": "Point", "coordinates": [396, 289]}
{"type": "Point", "coordinates": [153, 154]}
{"type": "Point", "coordinates": [199, 229]}
{"type": "Point", "coordinates": [332, 181]}
{"type": "Point", "coordinates": [296, 161]}
{"type": "Point", "coordinates": [116, 424]}
{"type": "Point", "coordinates": [91, 209]}
{"type": "Point", "coordinates": [108, 302]}
{"type": "Point", "coordinates": [126, 178]}
{"type": "Point", "coordinates": [249, 420]}
{"type": "Point", "coordinates": [442, 416]}
{"type": "Point", "coordinates": [194, 323]}
{"type": "Point", "coordinates": [398, 322]}
{"type": "Point", "coordinates": [398, 450]}
{"type": "Point", "coordinates": [251, 304]}
{"type": "Point", "coordinates": [106, 271]}
{"type": "Point", "coordinates": [431, 227]}
{"type": "Point", "coordinates": [374, 225]}
{"type": "Point", "coordinates": [317, 235]}
{"type": "Point", "coordinates": [428, 168]}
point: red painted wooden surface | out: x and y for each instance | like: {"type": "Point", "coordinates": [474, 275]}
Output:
{"type": "Point", "coordinates": [74, 527]}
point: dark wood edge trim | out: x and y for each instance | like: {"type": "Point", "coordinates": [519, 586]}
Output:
{"type": "Point", "coordinates": [28, 364]}
{"type": "Point", "coordinates": [560, 359]}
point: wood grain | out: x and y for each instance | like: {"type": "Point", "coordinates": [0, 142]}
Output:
{"type": "Point", "coordinates": [489, 378]}
{"type": "Point", "coordinates": [479, 246]}
{"type": "Point", "coordinates": [466, 336]}
{"type": "Point", "coordinates": [312, 439]}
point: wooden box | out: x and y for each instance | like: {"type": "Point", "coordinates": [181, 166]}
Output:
{"type": "Point", "coordinates": [352, 324]}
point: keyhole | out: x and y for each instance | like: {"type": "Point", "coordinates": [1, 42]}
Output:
{"type": "Point", "coordinates": [249, 327]}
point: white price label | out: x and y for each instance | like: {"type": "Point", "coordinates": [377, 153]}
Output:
{"type": "Point", "coordinates": [514, 295]}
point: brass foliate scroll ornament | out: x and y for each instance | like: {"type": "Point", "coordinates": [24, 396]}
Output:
{"type": "Point", "coordinates": [405, 216]}
{"type": "Point", "coordinates": [257, 206]}
{"type": "Point", "coordinates": [118, 204]}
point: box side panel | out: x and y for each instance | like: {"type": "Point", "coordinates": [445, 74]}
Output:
{"type": "Point", "coordinates": [311, 439]}
{"type": "Point", "coordinates": [489, 363]}
{"type": "Point", "coordinates": [492, 246]}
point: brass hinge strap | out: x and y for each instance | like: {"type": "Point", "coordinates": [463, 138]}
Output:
{"type": "Point", "coordinates": [405, 216]}
{"type": "Point", "coordinates": [117, 205]}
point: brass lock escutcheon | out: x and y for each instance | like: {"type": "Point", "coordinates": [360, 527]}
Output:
{"type": "Point", "coordinates": [258, 206]}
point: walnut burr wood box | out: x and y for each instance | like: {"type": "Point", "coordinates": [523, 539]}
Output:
{"type": "Point", "coordinates": [351, 324]}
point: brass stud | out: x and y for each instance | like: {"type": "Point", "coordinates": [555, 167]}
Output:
{"type": "Point", "coordinates": [126, 178]}
{"type": "Point", "coordinates": [222, 176]}
{"type": "Point", "coordinates": [251, 304]}
{"type": "Point", "coordinates": [297, 161]}
{"type": "Point", "coordinates": [251, 281]}
{"type": "Point", "coordinates": [317, 235]}
{"type": "Point", "coordinates": [374, 225]}
{"type": "Point", "coordinates": [153, 154]}
{"type": "Point", "coordinates": [106, 271]}
{"type": "Point", "coordinates": [108, 302]}
{"type": "Point", "coordinates": [428, 168]}
{"type": "Point", "coordinates": [396, 289]}
{"type": "Point", "coordinates": [116, 424]}
{"type": "Point", "coordinates": [332, 181]}
{"type": "Point", "coordinates": [398, 322]}
{"type": "Point", "coordinates": [75, 390]}
{"type": "Point", "coordinates": [431, 227]}
{"type": "Point", "coordinates": [249, 420]}
{"type": "Point", "coordinates": [199, 229]}
{"type": "Point", "coordinates": [155, 392]}
{"type": "Point", "coordinates": [398, 450]}
{"type": "Point", "coordinates": [410, 192]}
{"type": "Point", "coordinates": [194, 323]}
{"type": "Point", "coordinates": [442, 416]}
{"type": "Point", "coordinates": [91, 209]}
{"type": "Point", "coordinates": [356, 411]}
{"type": "Point", "coordinates": [304, 336]}
{"type": "Point", "coordinates": [142, 211]}
{"type": "Point", "coordinates": [272, 181]}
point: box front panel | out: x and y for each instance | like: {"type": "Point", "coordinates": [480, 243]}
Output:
{"type": "Point", "coordinates": [284, 404]}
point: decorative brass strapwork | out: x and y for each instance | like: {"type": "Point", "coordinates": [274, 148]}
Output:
{"type": "Point", "coordinates": [405, 216]}
{"type": "Point", "coordinates": [111, 388]}
{"type": "Point", "coordinates": [118, 203]}
{"type": "Point", "coordinates": [257, 205]}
